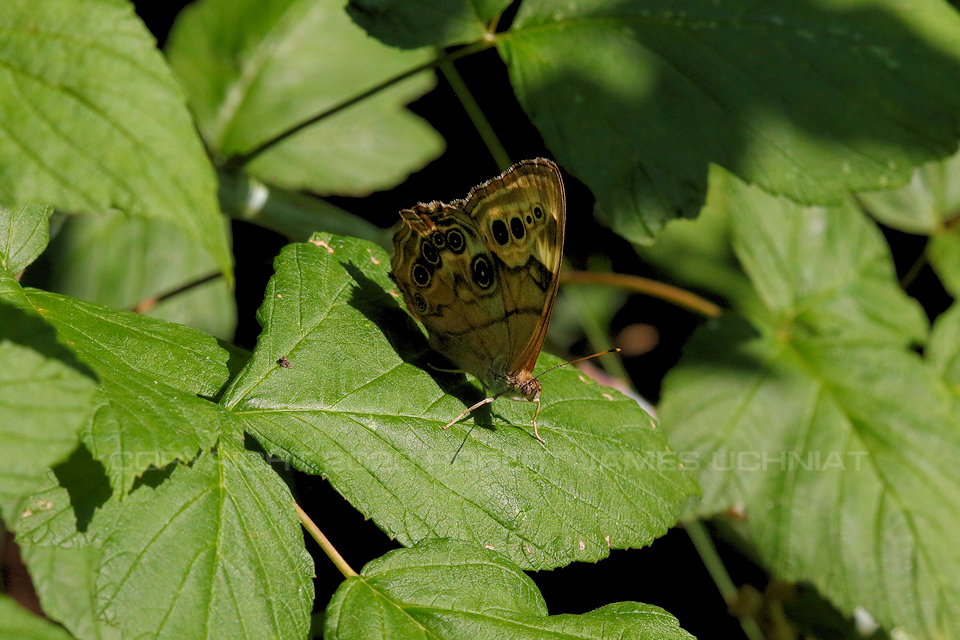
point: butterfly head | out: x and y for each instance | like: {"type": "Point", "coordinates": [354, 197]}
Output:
{"type": "Point", "coordinates": [527, 385]}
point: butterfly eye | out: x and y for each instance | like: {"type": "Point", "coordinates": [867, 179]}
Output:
{"type": "Point", "coordinates": [516, 226]}
{"type": "Point", "coordinates": [500, 233]}
{"type": "Point", "coordinates": [420, 302]}
{"type": "Point", "coordinates": [430, 254]}
{"type": "Point", "coordinates": [482, 271]}
{"type": "Point", "coordinates": [421, 275]}
{"type": "Point", "coordinates": [456, 241]}
{"type": "Point", "coordinates": [537, 213]}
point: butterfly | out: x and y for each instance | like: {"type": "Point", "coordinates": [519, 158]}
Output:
{"type": "Point", "coordinates": [482, 273]}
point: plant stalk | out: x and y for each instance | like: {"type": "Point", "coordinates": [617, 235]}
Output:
{"type": "Point", "coordinates": [237, 162]}
{"type": "Point", "coordinates": [475, 113]}
{"type": "Point", "coordinates": [653, 288]}
{"type": "Point", "coordinates": [711, 560]}
{"type": "Point", "coordinates": [321, 539]}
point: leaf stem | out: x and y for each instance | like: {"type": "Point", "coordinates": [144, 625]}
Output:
{"type": "Point", "coordinates": [653, 288]}
{"type": "Point", "coordinates": [149, 303]}
{"type": "Point", "coordinates": [914, 270]}
{"type": "Point", "coordinates": [293, 214]}
{"type": "Point", "coordinates": [321, 539]}
{"type": "Point", "coordinates": [476, 115]}
{"type": "Point", "coordinates": [711, 560]}
{"type": "Point", "coordinates": [237, 162]}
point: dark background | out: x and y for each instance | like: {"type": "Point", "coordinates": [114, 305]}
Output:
{"type": "Point", "coordinates": [669, 573]}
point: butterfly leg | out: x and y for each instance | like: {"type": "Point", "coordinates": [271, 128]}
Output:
{"type": "Point", "coordinates": [469, 410]}
{"type": "Point", "coordinates": [535, 414]}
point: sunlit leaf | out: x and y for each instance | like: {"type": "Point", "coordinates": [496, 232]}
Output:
{"type": "Point", "coordinates": [804, 98]}
{"type": "Point", "coordinates": [214, 551]}
{"type": "Point", "coordinates": [151, 373]}
{"type": "Point", "coordinates": [929, 205]}
{"type": "Point", "coordinates": [253, 69]}
{"type": "Point", "coordinates": [24, 232]}
{"type": "Point", "coordinates": [448, 589]}
{"type": "Point", "coordinates": [361, 405]}
{"type": "Point", "coordinates": [46, 396]}
{"type": "Point", "coordinates": [944, 347]}
{"type": "Point", "coordinates": [94, 120]}
{"type": "Point", "coordinates": [818, 419]}
{"type": "Point", "coordinates": [17, 622]}
{"type": "Point", "coordinates": [59, 549]}
{"type": "Point", "coordinates": [66, 577]}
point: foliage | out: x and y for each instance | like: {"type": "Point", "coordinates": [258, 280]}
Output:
{"type": "Point", "coordinates": [145, 461]}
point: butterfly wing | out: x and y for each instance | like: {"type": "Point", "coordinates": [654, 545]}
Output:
{"type": "Point", "coordinates": [523, 216]}
{"type": "Point", "coordinates": [482, 274]}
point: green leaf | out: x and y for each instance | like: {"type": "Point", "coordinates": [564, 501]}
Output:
{"type": "Point", "coordinates": [24, 232]}
{"type": "Point", "coordinates": [118, 261]}
{"type": "Point", "coordinates": [944, 255]}
{"type": "Point", "coordinates": [812, 616]}
{"type": "Point", "coordinates": [440, 23]}
{"type": "Point", "coordinates": [943, 351]}
{"type": "Point", "coordinates": [65, 578]}
{"type": "Point", "coordinates": [62, 550]}
{"type": "Point", "coordinates": [17, 622]}
{"type": "Point", "coordinates": [62, 509]}
{"type": "Point", "coordinates": [93, 120]}
{"type": "Point", "coordinates": [637, 99]}
{"type": "Point", "coordinates": [931, 198]}
{"type": "Point", "coordinates": [822, 272]}
{"type": "Point", "coordinates": [254, 69]}
{"type": "Point", "coordinates": [929, 205]}
{"type": "Point", "coordinates": [151, 373]}
{"type": "Point", "coordinates": [697, 252]}
{"type": "Point", "coordinates": [215, 551]}
{"type": "Point", "coordinates": [820, 421]}
{"type": "Point", "coordinates": [448, 589]}
{"type": "Point", "coordinates": [362, 406]}
{"type": "Point", "coordinates": [11, 291]}
{"type": "Point", "coordinates": [45, 398]}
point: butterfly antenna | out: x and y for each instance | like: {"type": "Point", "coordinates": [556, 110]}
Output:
{"type": "Point", "coordinates": [602, 353]}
